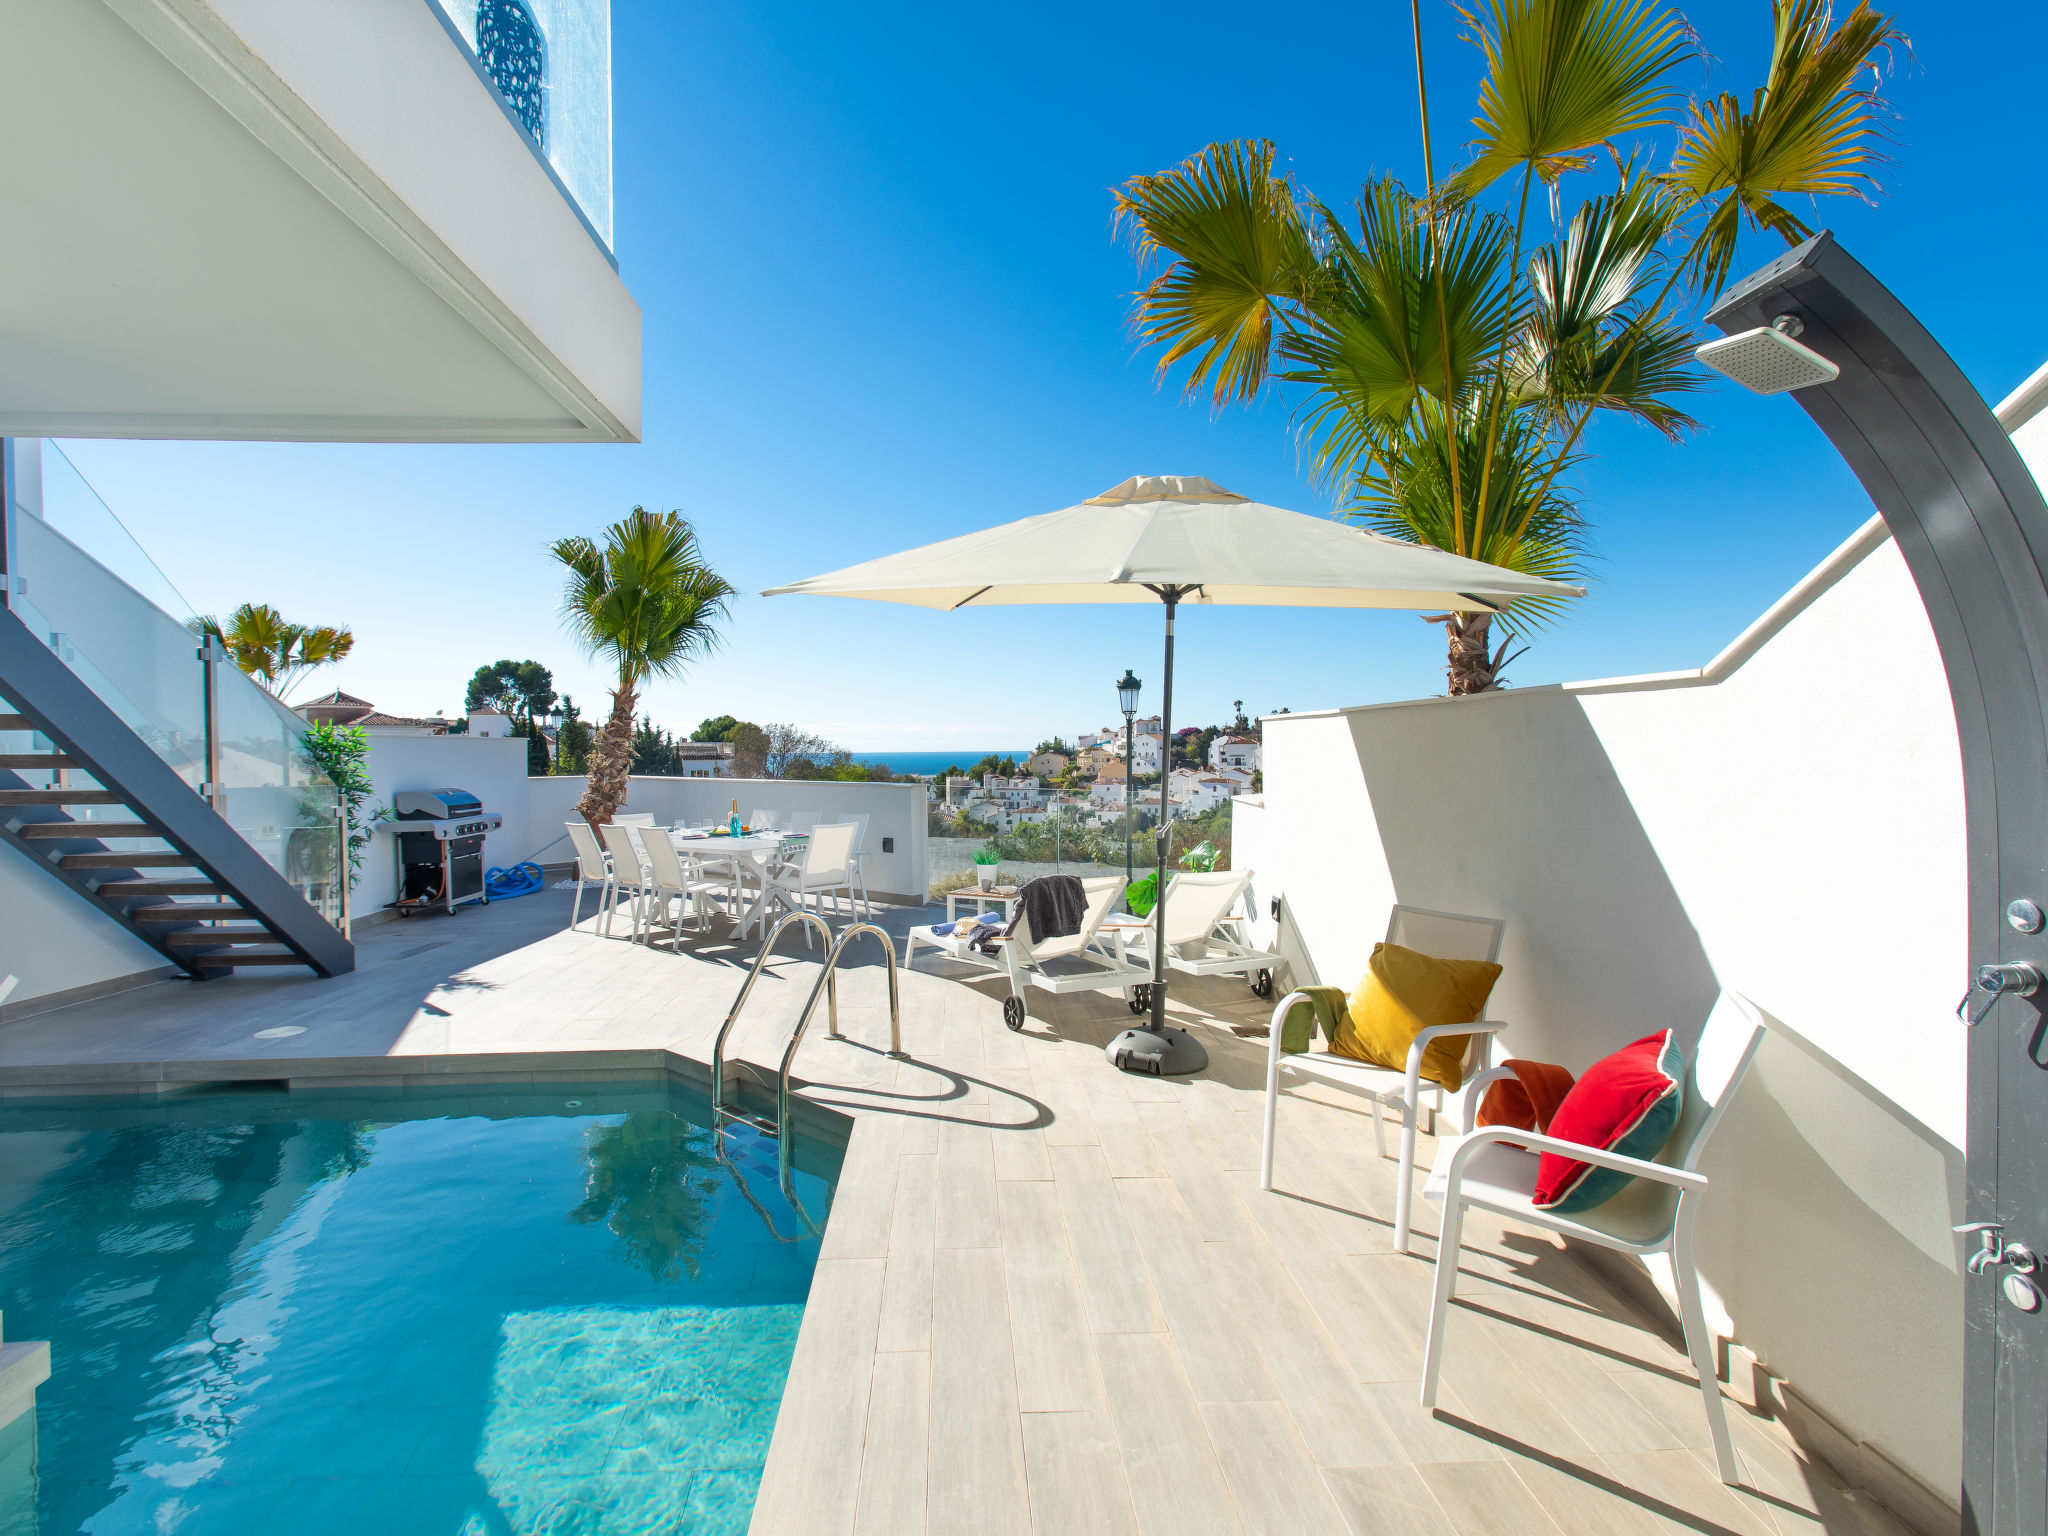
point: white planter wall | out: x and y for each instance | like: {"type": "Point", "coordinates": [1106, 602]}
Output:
{"type": "Point", "coordinates": [1789, 824]}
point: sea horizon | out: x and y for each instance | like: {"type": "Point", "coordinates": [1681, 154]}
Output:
{"type": "Point", "coordinates": [927, 762]}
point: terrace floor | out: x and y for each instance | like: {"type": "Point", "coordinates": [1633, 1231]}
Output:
{"type": "Point", "coordinates": [1051, 1297]}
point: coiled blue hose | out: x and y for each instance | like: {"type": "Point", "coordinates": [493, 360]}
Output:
{"type": "Point", "coordinates": [519, 880]}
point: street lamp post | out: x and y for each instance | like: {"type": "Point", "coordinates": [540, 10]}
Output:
{"type": "Point", "coordinates": [1127, 700]}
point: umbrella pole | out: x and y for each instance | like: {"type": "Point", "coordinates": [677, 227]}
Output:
{"type": "Point", "coordinates": [1164, 836]}
{"type": "Point", "coordinates": [1154, 1046]}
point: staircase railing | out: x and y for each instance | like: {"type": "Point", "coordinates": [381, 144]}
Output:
{"type": "Point", "coordinates": [826, 986]}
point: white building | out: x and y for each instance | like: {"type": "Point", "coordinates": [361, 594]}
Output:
{"type": "Point", "coordinates": [1195, 792]}
{"type": "Point", "coordinates": [1145, 751]}
{"type": "Point", "coordinates": [1013, 794]}
{"type": "Point", "coordinates": [1239, 752]}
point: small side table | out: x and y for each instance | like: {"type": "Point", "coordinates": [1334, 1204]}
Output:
{"type": "Point", "coordinates": [981, 899]}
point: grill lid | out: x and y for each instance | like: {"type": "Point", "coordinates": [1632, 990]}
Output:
{"type": "Point", "coordinates": [435, 804]}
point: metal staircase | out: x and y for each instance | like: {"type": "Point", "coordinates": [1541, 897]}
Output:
{"type": "Point", "coordinates": [176, 847]}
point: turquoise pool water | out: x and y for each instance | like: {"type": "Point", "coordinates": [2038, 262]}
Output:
{"type": "Point", "coordinates": [459, 1313]}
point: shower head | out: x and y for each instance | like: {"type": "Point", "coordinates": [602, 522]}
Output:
{"type": "Point", "coordinates": [1770, 359]}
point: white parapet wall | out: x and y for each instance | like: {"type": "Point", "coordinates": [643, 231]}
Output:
{"type": "Point", "coordinates": [536, 810]}
{"type": "Point", "coordinates": [1788, 823]}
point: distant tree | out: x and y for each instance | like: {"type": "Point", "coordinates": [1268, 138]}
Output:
{"type": "Point", "coordinates": [271, 649]}
{"type": "Point", "coordinates": [654, 750]}
{"type": "Point", "coordinates": [717, 728]}
{"type": "Point", "coordinates": [950, 771]}
{"type": "Point", "coordinates": [794, 753]}
{"type": "Point", "coordinates": [572, 740]}
{"type": "Point", "coordinates": [646, 599]}
{"type": "Point", "coordinates": [1053, 744]}
{"type": "Point", "coordinates": [1241, 724]}
{"type": "Point", "coordinates": [1005, 766]}
{"type": "Point", "coordinates": [519, 689]}
{"type": "Point", "coordinates": [749, 752]}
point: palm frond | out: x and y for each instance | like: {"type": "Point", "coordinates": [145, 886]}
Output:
{"type": "Point", "coordinates": [1412, 308]}
{"type": "Point", "coordinates": [1808, 130]}
{"type": "Point", "coordinates": [1563, 77]}
{"type": "Point", "coordinates": [1593, 340]}
{"type": "Point", "coordinates": [1404, 493]}
{"type": "Point", "coordinates": [1241, 261]}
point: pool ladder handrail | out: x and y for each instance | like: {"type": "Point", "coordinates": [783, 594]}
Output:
{"type": "Point", "coordinates": [827, 983]}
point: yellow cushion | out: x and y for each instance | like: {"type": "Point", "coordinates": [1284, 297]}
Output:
{"type": "Point", "coordinates": [1405, 992]}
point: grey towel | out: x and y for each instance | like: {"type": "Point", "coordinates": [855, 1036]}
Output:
{"type": "Point", "coordinates": [1054, 905]}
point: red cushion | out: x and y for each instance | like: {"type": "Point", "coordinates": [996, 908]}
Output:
{"type": "Point", "coordinates": [1626, 1103]}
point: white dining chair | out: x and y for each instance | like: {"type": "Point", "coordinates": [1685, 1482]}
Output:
{"type": "Point", "coordinates": [628, 872]}
{"type": "Point", "coordinates": [592, 868]}
{"type": "Point", "coordinates": [672, 878]}
{"type": "Point", "coordinates": [821, 869]}
{"type": "Point", "coordinates": [855, 867]}
{"type": "Point", "coordinates": [1495, 1170]}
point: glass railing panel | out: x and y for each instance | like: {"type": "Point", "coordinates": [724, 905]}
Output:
{"type": "Point", "coordinates": [551, 62]}
{"type": "Point", "coordinates": [72, 507]}
{"type": "Point", "coordinates": [95, 597]}
{"type": "Point", "coordinates": [141, 662]}
{"type": "Point", "coordinates": [272, 793]}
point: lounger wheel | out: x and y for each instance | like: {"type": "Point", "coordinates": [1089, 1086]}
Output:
{"type": "Point", "coordinates": [1262, 984]}
{"type": "Point", "coordinates": [1141, 998]}
{"type": "Point", "coordinates": [1013, 1012]}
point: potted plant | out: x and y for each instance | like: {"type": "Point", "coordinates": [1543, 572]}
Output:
{"type": "Point", "coordinates": [985, 861]}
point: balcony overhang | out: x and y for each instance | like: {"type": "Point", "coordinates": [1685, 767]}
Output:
{"type": "Point", "coordinates": [289, 219]}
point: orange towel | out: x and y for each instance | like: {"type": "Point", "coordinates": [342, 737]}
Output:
{"type": "Point", "coordinates": [1527, 1100]}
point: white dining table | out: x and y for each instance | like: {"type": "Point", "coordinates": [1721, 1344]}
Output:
{"type": "Point", "coordinates": [755, 850]}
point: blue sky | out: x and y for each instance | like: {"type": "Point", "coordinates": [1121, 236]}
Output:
{"type": "Point", "coordinates": [884, 305]}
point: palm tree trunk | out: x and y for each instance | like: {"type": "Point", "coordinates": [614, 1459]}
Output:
{"type": "Point", "coordinates": [1469, 667]}
{"type": "Point", "coordinates": [611, 762]}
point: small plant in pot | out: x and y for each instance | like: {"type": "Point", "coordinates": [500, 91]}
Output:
{"type": "Point", "coordinates": [985, 861]}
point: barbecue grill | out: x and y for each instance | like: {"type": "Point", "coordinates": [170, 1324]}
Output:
{"type": "Point", "coordinates": [441, 848]}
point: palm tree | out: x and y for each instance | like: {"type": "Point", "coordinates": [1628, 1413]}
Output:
{"type": "Point", "coordinates": [1446, 366]}
{"type": "Point", "coordinates": [645, 599]}
{"type": "Point", "coordinates": [274, 651]}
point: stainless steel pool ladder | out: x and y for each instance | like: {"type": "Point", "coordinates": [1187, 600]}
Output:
{"type": "Point", "coordinates": [827, 983]}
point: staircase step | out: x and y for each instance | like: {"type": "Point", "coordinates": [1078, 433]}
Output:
{"type": "Point", "coordinates": [46, 760]}
{"type": "Point", "coordinates": [205, 938]}
{"type": "Point", "coordinates": [191, 912]}
{"type": "Point", "coordinates": [127, 861]}
{"type": "Point", "coordinates": [16, 723]}
{"type": "Point", "coordinates": [62, 797]}
{"type": "Point", "coordinates": [76, 829]}
{"type": "Point", "coordinates": [122, 890]}
{"type": "Point", "coordinates": [247, 957]}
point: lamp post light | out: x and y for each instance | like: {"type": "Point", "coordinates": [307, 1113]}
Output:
{"type": "Point", "coordinates": [1127, 688]}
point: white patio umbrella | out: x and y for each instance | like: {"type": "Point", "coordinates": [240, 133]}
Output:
{"type": "Point", "coordinates": [1176, 539]}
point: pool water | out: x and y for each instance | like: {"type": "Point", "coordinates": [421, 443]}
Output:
{"type": "Point", "coordinates": [458, 1313]}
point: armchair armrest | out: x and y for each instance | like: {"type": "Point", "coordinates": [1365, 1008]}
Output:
{"type": "Point", "coordinates": [1662, 1173]}
{"type": "Point", "coordinates": [1434, 1032]}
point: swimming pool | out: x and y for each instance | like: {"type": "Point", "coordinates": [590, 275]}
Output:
{"type": "Point", "coordinates": [459, 1312]}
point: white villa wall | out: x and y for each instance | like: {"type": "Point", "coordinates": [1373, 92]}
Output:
{"type": "Point", "coordinates": [1788, 823]}
{"type": "Point", "coordinates": [57, 942]}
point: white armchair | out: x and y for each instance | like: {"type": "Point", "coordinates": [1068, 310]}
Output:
{"type": "Point", "coordinates": [1495, 1170]}
{"type": "Point", "coordinates": [1448, 936]}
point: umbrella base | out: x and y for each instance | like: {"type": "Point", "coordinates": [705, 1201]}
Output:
{"type": "Point", "coordinates": [1157, 1052]}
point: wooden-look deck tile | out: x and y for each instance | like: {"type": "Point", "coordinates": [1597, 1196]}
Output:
{"type": "Point", "coordinates": [1052, 1296]}
{"type": "Point", "coordinates": [976, 1467]}
{"type": "Point", "coordinates": [1176, 1481]}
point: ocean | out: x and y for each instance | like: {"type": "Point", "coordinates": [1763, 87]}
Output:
{"type": "Point", "coordinates": [934, 762]}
